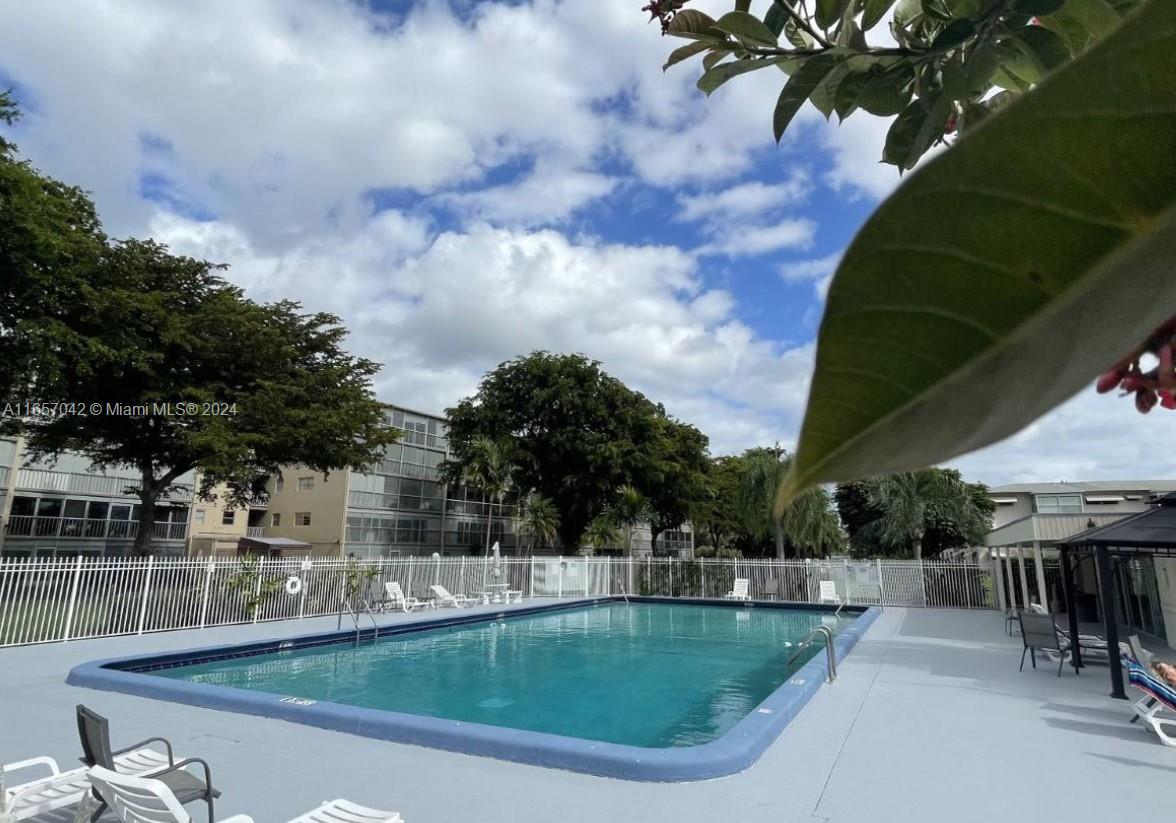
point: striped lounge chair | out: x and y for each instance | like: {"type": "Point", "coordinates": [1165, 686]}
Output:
{"type": "Point", "coordinates": [1158, 707]}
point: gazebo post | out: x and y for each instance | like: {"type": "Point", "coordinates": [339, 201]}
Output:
{"type": "Point", "coordinates": [1071, 606]}
{"type": "Point", "coordinates": [1106, 585]}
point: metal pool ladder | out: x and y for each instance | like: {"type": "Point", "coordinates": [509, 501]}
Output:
{"type": "Point", "coordinates": [367, 609]}
{"type": "Point", "coordinates": [830, 654]}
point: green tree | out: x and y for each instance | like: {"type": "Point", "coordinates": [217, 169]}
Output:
{"type": "Point", "coordinates": [674, 476]}
{"type": "Point", "coordinates": [630, 509]}
{"type": "Point", "coordinates": [938, 77]}
{"type": "Point", "coordinates": [601, 533]}
{"type": "Point", "coordinates": [540, 520]}
{"type": "Point", "coordinates": [51, 241]}
{"type": "Point", "coordinates": [913, 503]}
{"type": "Point", "coordinates": [807, 524]}
{"type": "Point", "coordinates": [575, 434]}
{"type": "Point", "coordinates": [263, 385]}
{"type": "Point", "coordinates": [488, 468]}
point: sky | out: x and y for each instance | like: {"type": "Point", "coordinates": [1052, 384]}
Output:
{"type": "Point", "coordinates": [465, 182]}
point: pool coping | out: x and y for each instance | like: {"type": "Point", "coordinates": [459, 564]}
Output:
{"type": "Point", "coordinates": [735, 751]}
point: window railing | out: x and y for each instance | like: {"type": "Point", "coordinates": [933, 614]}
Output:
{"type": "Point", "coordinates": [91, 484]}
{"type": "Point", "coordinates": [88, 528]}
{"type": "Point", "coordinates": [255, 531]}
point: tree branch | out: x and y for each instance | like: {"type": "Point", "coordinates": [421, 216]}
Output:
{"type": "Point", "coordinates": [803, 23]}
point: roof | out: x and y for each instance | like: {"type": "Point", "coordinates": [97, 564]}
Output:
{"type": "Point", "coordinates": [1048, 528]}
{"type": "Point", "coordinates": [276, 542]}
{"type": "Point", "coordinates": [1086, 486]}
{"type": "Point", "coordinates": [1151, 529]}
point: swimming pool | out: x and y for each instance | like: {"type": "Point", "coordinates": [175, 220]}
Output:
{"type": "Point", "coordinates": [651, 689]}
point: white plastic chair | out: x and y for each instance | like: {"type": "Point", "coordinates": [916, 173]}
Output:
{"type": "Point", "coordinates": [444, 598]}
{"type": "Point", "coordinates": [144, 800]}
{"type": "Point", "coordinates": [739, 590]}
{"type": "Point", "coordinates": [397, 600]}
{"type": "Point", "coordinates": [59, 790]}
{"type": "Point", "coordinates": [828, 593]}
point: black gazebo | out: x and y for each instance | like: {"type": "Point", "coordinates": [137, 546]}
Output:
{"type": "Point", "coordinates": [1151, 533]}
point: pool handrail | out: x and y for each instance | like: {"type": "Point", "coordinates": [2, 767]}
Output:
{"type": "Point", "coordinates": [830, 654]}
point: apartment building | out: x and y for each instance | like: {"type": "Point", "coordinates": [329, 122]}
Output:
{"type": "Point", "coordinates": [398, 507]}
{"type": "Point", "coordinates": [67, 507]}
{"type": "Point", "coordinates": [1043, 513]}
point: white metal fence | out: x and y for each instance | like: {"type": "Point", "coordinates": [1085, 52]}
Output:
{"type": "Point", "coordinates": [43, 600]}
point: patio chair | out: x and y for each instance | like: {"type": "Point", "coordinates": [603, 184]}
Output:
{"type": "Point", "coordinates": [828, 593]}
{"type": "Point", "coordinates": [147, 800]}
{"type": "Point", "coordinates": [56, 789]}
{"type": "Point", "coordinates": [772, 589]}
{"type": "Point", "coordinates": [740, 589]}
{"type": "Point", "coordinates": [1086, 642]}
{"type": "Point", "coordinates": [1160, 716]}
{"type": "Point", "coordinates": [94, 730]}
{"type": "Point", "coordinates": [396, 599]}
{"type": "Point", "coordinates": [442, 597]}
{"type": "Point", "coordinates": [1039, 632]}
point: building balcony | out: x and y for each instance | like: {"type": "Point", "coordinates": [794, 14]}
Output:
{"type": "Point", "coordinates": [88, 528]}
{"type": "Point", "coordinates": [94, 485]}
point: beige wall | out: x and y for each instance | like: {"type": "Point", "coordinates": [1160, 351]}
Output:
{"type": "Point", "coordinates": [213, 536]}
{"type": "Point", "coordinates": [1166, 583]}
{"type": "Point", "coordinates": [326, 503]}
{"type": "Point", "coordinates": [1009, 512]}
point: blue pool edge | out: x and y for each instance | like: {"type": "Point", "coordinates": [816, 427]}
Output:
{"type": "Point", "coordinates": [734, 752]}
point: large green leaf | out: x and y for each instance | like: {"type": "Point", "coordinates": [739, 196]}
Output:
{"type": "Point", "coordinates": [798, 88]}
{"type": "Point", "coordinates": [693, 24]}
{"type": "Point", "coordinates": [747, 28]}
{"type": "Point", "coordinates": [1007, 272]}
{"type": "Point", "coordinates": [720, 74]}
{"type": "Point", "coordinates": [875, 11]}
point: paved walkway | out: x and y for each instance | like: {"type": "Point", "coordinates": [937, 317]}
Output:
{"type": "Point", "coordinates": [930, 721]}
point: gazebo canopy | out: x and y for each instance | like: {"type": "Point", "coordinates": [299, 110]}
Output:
{"type": "Point", "coordinates": [1151, 532]}
{"type": "Point", "coordinates": [1148, 532]}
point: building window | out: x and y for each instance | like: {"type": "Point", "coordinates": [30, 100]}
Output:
{"type": "Point", "coordinates": [229, 518]}
{"type": "Point", "coordinates": [305, 484]}
{"type": "Point", "coordinates": [302, 518]}
{"type": "Point", "coordinates": [198, 517]}
{"type": "Point", "coordinates": [276, 519]}
{"type": "Point", "coordinates": [279, 484]}
{"type": "Point", "coordinates": [1058, 503]}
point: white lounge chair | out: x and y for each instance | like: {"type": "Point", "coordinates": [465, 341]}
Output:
{"type": "Point", "coordinates": [144, 800]}
{"type": "Point", "coordinates": [828, 593]}
{"type": "Point", "coordinates": [59, 790]}
{"type": "Point", "coordinates": [739, 590]}
{"type": "Point", "coordinates": [442, 597]}
{"type": "Point", "coordinates": [395, 598]}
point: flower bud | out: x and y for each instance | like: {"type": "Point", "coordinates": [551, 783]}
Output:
{"type": "Point", "coordinates": [1145, 400]}
{"type": "Point", "coordinates": [1168, 399]}
{"type": "Point", "coordinates": [1108, 381]}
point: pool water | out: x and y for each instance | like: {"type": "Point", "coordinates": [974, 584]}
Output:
{"type": "Point", "coordinates": [642, 674]}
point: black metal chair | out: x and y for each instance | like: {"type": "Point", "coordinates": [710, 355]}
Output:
{"type": "Point", "coordinates": [94, 730]}
{"type": "Point", "coordinates": [1039, 632]}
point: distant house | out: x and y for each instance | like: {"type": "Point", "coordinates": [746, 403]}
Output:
{"type": "Point", "coordinates": [1040, 514]}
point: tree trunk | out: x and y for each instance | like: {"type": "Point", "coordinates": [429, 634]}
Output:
{"type": "Point", "coordinates": [918, 547]}
{"type": "Point", "coordinates": [148, 492]}
{"type": "Point", "coordinates": [778, 531]}
{"type": "Point", "coordinates": [628, 539]}
{"type": "Point", "coordinates": [654, 531]}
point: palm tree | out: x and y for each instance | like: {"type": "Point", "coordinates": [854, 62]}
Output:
{"type": "Point", "coordinates": [540, 520]}
{"type": "Point", "coordinates": [489, 469]}
{"type": "Point", "coordinates": [630, 509]}
{"type": "Point", "coordinates": [911, 501]}
{"type": "Point", "coordinates": [808, 522]}
{"type": "Point", "coordinates": [601, 532]}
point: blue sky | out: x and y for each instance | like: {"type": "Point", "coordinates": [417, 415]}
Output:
{"type": "Point", "coordinates": [465, 181]}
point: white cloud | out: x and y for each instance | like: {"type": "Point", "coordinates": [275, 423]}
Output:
{"type": "Point", "coordinates": [735, 240]}
{"type": "Point", "coordinates": [544, 197]}
{"type": "Point", "coordinates": [440, 310]}
{"type": "Point", "coordinates": [745, 199]}
{"type": "Point", "coordinates": [818, 270]}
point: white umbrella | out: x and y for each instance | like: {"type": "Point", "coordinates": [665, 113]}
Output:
{"type": "Point", "coordinates": [496, 571]}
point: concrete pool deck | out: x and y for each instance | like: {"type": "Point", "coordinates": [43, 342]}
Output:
{"type": "Point", "coordinates": [929, 720]}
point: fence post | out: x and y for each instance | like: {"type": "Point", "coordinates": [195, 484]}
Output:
{"type": "Point", "coordinates": [532, 576]}
{"type": "Point", "coordinates": [607, 576]}
{"type": "Point", "coordinates": [257, 589]}
{"type": "Point", "coordinates": [304, 567]}
{"type": "Point", "coordinates": [146, 592]}
{"type": "Point", "coordinates": [209, 570]}
{"type": "Point", "coordinates": [923, 583]}
{"type": "Point", "coordinates": [73, 598]}
{"type": "Point", "coordinates": [586, 575]}
{"type": "Point", "coordinates": [702, 575]}
{"type": "Point", "coordinates": [561, 568]}
{"type": "Point", "coordinates": [881, 583]}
